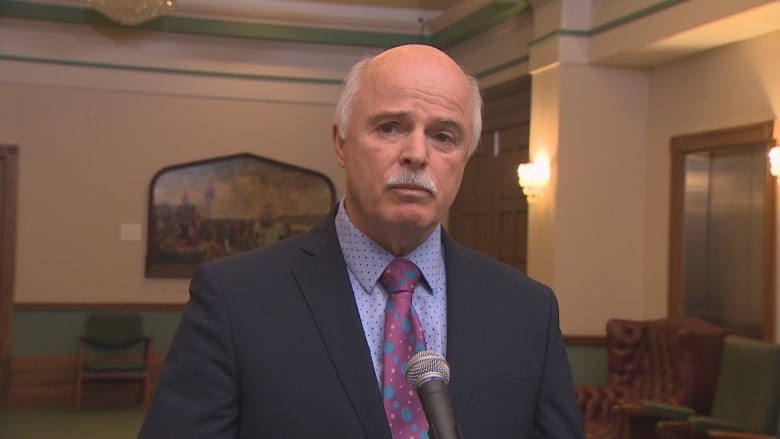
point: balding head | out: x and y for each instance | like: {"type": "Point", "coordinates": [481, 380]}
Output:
{"type": "Point", "coordinates": [428, 63]}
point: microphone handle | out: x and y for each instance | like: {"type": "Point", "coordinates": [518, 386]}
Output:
{"type": "Point", "coordinates": [435, 400]}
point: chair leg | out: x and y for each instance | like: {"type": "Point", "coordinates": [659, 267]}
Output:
{"type": "Point", "coordinates": [78, 391]}
{"type": "Point", "coordinates": [147, 391]}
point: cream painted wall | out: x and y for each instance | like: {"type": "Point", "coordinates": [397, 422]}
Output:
{"type": "Point", "coordinates": [600, 213]}
{"type": "Point", "coordinates": [543, 142]}
{"type": "Point", "coordinates": [87, 157]}
{"type": "Point", "coordinates": [730, 86]}
{"type": "Point", "coordinates": [585, 235]}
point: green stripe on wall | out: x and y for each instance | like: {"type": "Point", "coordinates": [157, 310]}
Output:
{"type": "Point", "coordinates": [652, 9]}
{"type": "Point", "coordinates": [127, 67]}
{"type": "Point", "coordinates": [57, 332]}
{"type": "Point", "coordinates": [496, 13]}
{"type": "Point", "coordinates": [228, 75]}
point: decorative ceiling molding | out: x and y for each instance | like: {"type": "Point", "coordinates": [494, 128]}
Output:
{"type": "Point", "coordinates": [272, 20]}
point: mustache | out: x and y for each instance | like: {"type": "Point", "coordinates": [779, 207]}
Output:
{"type": "Point", "coordinates": [414, 178]}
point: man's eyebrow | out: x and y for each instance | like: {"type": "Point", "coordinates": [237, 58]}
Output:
{"type": "Point", "coordinates": [453, 125]}
{"type": "Point", "coordinates": [379, 117]}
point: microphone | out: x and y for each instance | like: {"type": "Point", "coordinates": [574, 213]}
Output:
{"type": "Point", "coordinates": [428, 374]}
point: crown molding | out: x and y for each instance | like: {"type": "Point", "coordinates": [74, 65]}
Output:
{"type": "Point", "coordinates": [306, 22]}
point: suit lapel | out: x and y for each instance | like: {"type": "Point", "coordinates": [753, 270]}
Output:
{"type": "Point", "coordinates": [466, 319]}
{"type": "Point", "coordinates": [324, 283]}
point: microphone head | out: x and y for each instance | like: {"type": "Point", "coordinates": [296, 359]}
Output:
{"type": "Point", "coordinates": [427, 365]}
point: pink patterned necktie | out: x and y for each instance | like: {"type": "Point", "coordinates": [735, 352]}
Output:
{"type": "Point", "coordinates": [403, 338]}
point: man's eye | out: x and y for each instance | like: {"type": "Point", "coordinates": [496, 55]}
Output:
{"type": "Point", "coordinates": [445, 138]}
{"type": "Point", "coordinates": [387, 127]}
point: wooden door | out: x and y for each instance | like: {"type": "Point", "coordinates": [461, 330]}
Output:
{"type": "Point", "coordinates": [490, 213]}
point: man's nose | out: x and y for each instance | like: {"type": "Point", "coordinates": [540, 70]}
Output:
{"type": "Point", "coordinates": [414, 151]}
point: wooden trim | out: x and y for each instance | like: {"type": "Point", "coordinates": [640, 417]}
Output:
{"type": "Point", "coordinates": [513, 86]}
{"type": "Point", "coordinates": [746, 135]}
{"type": "Point", "coordinates": [55, 306]}
{"type": "Point", "coordinates": [585, 340]}
{"type": "Point", "coordinates": [723, 138]}
{"type": "Point", "coordinates": [676, 211]}
{"type": "Point", "coordinates": [9, 156]}
{"type": "Point", "coordinates": [38, 382]}
{"type": "Point", "coordinates": [770, 211]}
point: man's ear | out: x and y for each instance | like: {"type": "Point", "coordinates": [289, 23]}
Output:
{"type": "Point", "coordinates": [338, 145]}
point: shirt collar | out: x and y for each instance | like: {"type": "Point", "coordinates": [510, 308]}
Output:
{"type": "Point", "coordinates": [368, 268]}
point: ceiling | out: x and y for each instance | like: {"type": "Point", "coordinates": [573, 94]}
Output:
{"type": "Point", "coordinates": [451, 21]}
{"type": "Point", "coordinates": [438, 5]}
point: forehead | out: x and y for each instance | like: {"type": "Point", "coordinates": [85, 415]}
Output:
{"type": "Point", "coordinates": [407, 83]}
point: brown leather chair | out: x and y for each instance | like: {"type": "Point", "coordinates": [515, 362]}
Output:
{"type": "Point", "coordinates": [672, 359]}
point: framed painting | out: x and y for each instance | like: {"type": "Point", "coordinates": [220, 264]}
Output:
{"type": "Point", "coordinates": [210, 209]}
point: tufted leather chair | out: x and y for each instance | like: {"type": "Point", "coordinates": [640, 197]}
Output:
{"type": "Point", "coordinates": [673, 359]}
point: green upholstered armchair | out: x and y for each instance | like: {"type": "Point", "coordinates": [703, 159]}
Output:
{"type": "Point", "coordinates": [746, 399]}
{"type": "Point", "coordinates": [106, 353]}
{"type": "Point", "coordinates": [728, 434]}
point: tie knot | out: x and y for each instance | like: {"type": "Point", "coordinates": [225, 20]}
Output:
{"type": "Point", "coordinates": [400, 275]}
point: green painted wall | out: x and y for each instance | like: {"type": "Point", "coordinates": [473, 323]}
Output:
{"type": "Point", "coordinates": [56, 333]}
{"type": "Point", "coordinates": [588, 364]}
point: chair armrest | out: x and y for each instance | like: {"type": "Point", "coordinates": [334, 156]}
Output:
{"type": "Point", "coordinates": [666, 411]}
{"type": "Point", "coordinates": [639, 418]}
{"type": "Point", "coordinates": [727, 434]}
{"type": "Point", "coordinates": [630, 408]}
{"type": "Point", "coordinates": [704, 423]}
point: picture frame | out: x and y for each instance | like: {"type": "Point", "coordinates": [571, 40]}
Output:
{"type": "Point", "coordinates": [209, 209]}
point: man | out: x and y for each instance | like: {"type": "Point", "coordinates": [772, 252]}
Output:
{"type": "Point", "coordinates": [287, 341]}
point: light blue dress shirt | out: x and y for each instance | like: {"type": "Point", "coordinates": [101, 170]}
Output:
{"type": "Point", "coordinates": [366, 260]}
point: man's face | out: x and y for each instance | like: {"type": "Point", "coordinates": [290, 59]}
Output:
{"type": "Point", "coordinates": [412, 116]}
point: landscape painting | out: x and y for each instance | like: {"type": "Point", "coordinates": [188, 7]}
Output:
{"type": "Point", "coordinates": [214, 208]}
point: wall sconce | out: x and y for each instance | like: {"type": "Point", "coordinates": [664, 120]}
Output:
{"type": "Point", "coordinates": [774, 162]}
{"type": "Point", "coordinates": [133, 12]}
{"type": "Point", "coordinates": [533, 177]}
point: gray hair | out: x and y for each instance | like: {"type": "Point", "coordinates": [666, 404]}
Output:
{"type": "Point", "coordinates": [354, 79]}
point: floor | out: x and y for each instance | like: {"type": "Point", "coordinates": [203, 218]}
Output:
{"type": "Point", "coordinates": [117, 423]}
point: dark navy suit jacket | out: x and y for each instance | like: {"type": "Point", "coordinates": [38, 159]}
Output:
{"type": "Point", "coordinates": [271, 346]}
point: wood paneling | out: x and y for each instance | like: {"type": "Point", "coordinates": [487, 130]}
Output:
{"type": "Point", "coordinates": [490, 213]}
{"type": "Point", "coordinates": [50, 382]}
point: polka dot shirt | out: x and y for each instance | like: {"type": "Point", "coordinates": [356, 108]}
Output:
{"type": "Point", "coordinates": [366, 260]}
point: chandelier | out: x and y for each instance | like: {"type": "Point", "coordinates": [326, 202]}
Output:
{"type": "Point", "coordinates": [132, 12]}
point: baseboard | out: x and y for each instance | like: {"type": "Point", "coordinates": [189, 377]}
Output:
{"type": "Point", "coordinates": [37, 382]}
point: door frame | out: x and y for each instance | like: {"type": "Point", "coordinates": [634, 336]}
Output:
{"type": "Point", "coordinates": [746, 135]}
{"type": "Point", "coordinates": [9, 161]}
